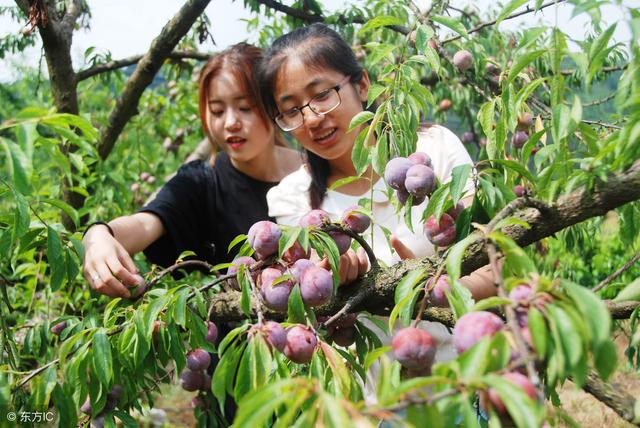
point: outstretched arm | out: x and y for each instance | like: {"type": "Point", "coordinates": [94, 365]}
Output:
{"type": "Point", "coordinates": [107, 260]}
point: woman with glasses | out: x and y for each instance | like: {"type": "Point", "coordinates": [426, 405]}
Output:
{"type": "Point", "coordinates": [202, 208]}
{"type": "Point", "coordinates": [313, 86]}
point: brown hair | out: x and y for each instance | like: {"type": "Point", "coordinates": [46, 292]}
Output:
{"type": "Point", "coordinates": [242, 61]}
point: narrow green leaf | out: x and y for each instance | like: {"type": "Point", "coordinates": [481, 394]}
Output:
{"type": "Point", "coordinates": [452, 23]}
{"type": "Point", "coordinates": [510, 7]}
{"type": "Point", "coordinates": [539, 331]}
{"type": "Point", "coordinates": [459, 176]}
{"type": "Point", "coordinates": [380, 21]}
{"type": "Point", "coordinates": [295, 310]}
{"type": "Point", "coordinates": [454, 259]}
{"type": "Point", "coordinates": [102, 360]}
{"type": "Point", "coordinates": [490, 302]}
{"type": "Point", "coordinates": [359, 119]}
{"type": "Point", "coordinates": [55, 256]}
{"type": "Point", "coordinates": [521, 61]}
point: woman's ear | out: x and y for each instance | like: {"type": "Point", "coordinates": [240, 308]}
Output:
{"type": "Point", "coordinates": [363, 86]}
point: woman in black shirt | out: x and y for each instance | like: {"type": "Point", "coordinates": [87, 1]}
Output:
{"type": "Point", "coordinates": [202, 208]}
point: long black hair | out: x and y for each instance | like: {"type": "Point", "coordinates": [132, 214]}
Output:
{"type": "Point", "coordinates": [316, 46]}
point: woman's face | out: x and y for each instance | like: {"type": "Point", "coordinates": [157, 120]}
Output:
{"type": "Point", "coordinates": [234, 120]}
{"type": "Point", "coordinates": [323, 134]}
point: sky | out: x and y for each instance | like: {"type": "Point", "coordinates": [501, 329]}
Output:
{"type": "Point", "coordinates": [126, 27]}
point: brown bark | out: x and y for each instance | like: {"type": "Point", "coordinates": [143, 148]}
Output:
{"type": "Point", "coordinates": [625, 405]}
{"type": "Point", "coordinates": [148, 66]}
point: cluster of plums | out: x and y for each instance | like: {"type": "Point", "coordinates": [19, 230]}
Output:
{"type": "Point", "coordinates": [411, 176]}
{"type": "Point", "coordinates": [415, 348]}
{"type": "Point", "coordinates": [195, 377]}
{"type": "Point", "coordinates": [521, 136]}
{"type": "Point", "coordinates": [414, 176]}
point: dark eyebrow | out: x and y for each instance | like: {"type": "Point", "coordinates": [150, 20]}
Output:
{"type": "Point", "coordinates": [310, 85]}
{"type": "Point", "coordinates": [239, 98]}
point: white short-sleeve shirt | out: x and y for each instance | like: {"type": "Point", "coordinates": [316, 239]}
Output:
{"type": "Point", "coordinates": [289, 200]}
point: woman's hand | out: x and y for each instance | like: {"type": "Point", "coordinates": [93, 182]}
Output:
{"type": "Point", "coordinates": [403, 251]}
{"type": "Point", "coordinates": [107, 265]}
{"type": "Point", "coordinates": [352, 265]}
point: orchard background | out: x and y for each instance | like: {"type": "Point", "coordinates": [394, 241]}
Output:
{"type": "Point", "coordinates": [94, 143]}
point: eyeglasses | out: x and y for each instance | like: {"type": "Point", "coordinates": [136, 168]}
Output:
{"type": "Point", "coordinates": [323, 103]}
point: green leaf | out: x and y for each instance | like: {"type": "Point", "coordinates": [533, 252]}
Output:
{"type": "Point", "coordinates": [571, 343]}
{"type": "Point", "coordinates": [343, 181]}
{"type": "Point", "coordinates": [516, 258]}
{"type": "Point", "coordinates": [361, 152]}
{"type": "Point", "coordinates": [606, 360]}
{"type": "Point", "coordinates": [490, 302]}
{"type": "Point", "coordinates": [18, 165]}
{"type": "Point", "coordinates": [521, 61]}
{"type": "Point", "coordinates": [359, 119]}
{"type": "Point", "coordinates": [539, 331]}
{"type": "Point", "coordinates": [437, 202]}
{"type": "Point", "coordinates": [454, 259]}
{"type": "Point", "coordinates": [452, 23]}
{"type": "Point", "coordinates": [295, 310]}
{"type": "Point", "coordinates": [288, 238]}
{"type": "Point", "coordinates": [510, 7]}
{"type": "Point", "coordinates": [515, 166]}
{"type": "Point", "coordinates": [254, 368]}
{"type": "Point", "coordinates": [245, 286]}
{"type": "Point", "coordinates": [459, 176]}
{"type": "Point", "coordinates": [526, 413]}
{"type": "Point", "coordinates": [56, 259]}
{"type": "Point", "coordinates": [561, 123]}
{"type": "Point", "coordinates": [375, 91]}
{"type": "Point", "coordinates": [238, 239]}
{"type": "Point", "coordinates": [485, 116]}
{"type": "Point", "coordinates": [102, 360]}
{"type": "Point", "coordinates": [66, 208]}
{"type": "Point", "coordinates": [380, 21]}
{"type": "Point", "coordinates": [373, 355]}
{"type": "Point", "coordinates": [629, 292]}
{"type": "Point", "coordinates": [65, 406]}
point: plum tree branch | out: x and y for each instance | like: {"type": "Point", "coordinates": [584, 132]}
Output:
{"type": "Point", "coordinates": [625, 405]}
{"type": "Point", "coordinates": [527, 10]}
{"type": "Point", "coordinates": [125, 62]}
{"type": "Point", "coordinates": [148, 66]}
{"type": "Point", "coordinates": [617, 273]}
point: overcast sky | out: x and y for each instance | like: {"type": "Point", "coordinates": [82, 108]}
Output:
{"type": "Point", "coordinates": [127, 27]}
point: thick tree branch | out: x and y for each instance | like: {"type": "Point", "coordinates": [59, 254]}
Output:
{"type": "Point", "coordinates": [374, 292]}
{"type": "Point", "coordinates": [147, 68]}
{"type": "Point", "coordinates": [125, 62]}
{"type": "Point", "coordinates": [625, 405]}
{"type": "Point", "coordinates": [621, 310]}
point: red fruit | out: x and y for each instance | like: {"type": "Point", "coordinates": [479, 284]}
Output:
{"type": "Point", "coordinates": [263, 237]}
{"type": "Point", "coordinates": [415, 349]}
{"type": "Point", "coordinates": [343, 241]}
{"type": "Point", "coordinates": [316, 286]}
{"type": "Point", "coordinates": [445, 104]}
{"type": "Point", "coordinates": [301, 342]}
{"type": "Point", "coordinates": [144, 176]}
{"type": "Point", "coordinates": [354, 220]}
{"type": "Point", "coordinates": [420, 181]}
{"type": "Point", "coordinates": [299, 267]}
{"type": "Point", "coordinates": [198, 403]}
{"type": "Point", "coordinates": [525, 120]}
{"type": "Point", "coordinates": [438, 296]}
{"type": "Point", "coordinates": [190, 381]}
{"type": "Point", "coordinates": [212, 332]}
{"type": "Point", "coordinates": [58, 328]}
{"type": "Point", "coordinates": [206, 382]}
{"type": "Point", "coordinates": [198, 359]}
{"type": "Point", "coordinates": [243, 260]}
{"type": "Point", "coordinates": [276, 336]}
{"type": "Point", "coordinates": [468, 137]}
{"type": "Point", "coordinates": [295, 253]}
{"type": "Point", "coordinates": [420, 158]}
{"type": "Point", "coordinates": [517, 379]}
{"type": "Point", "coordinates": [441, 233]}
{"type": "Point", "coordinates": [519, 190]}
{"type": "Point", "coordinates": [433, 44]}
{"type": "Point", "coordinates": [276, 296]}
{"type": "Point", "coordinates": [343, 336]}
{"type": "Point", "coordinates": [521, 294]}
{"type": "Point", "coordinates": [483, 141]}
{"type": "Point", "coordinates": [116, 392]}
{"type": "Point", "coordinates": [395, 173]}
{"type": "Point", "coordinates": [315, 218]}
{"type": "Point", "coordinates": [454, 212]}
{"type": "Point", "coordinates": [135, 187]}
{"type": "Point", "coordinates": [463, 60]}
{"type": "Point", "coordinates": [473, 326]}
{"type": "Point", "coordinates": [519, 139]}
{"type": "Point", "coordinates": [403, 196]}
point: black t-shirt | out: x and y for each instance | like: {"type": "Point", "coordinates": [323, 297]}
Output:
{"type": "Point", "coordinates": [203, 209]}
